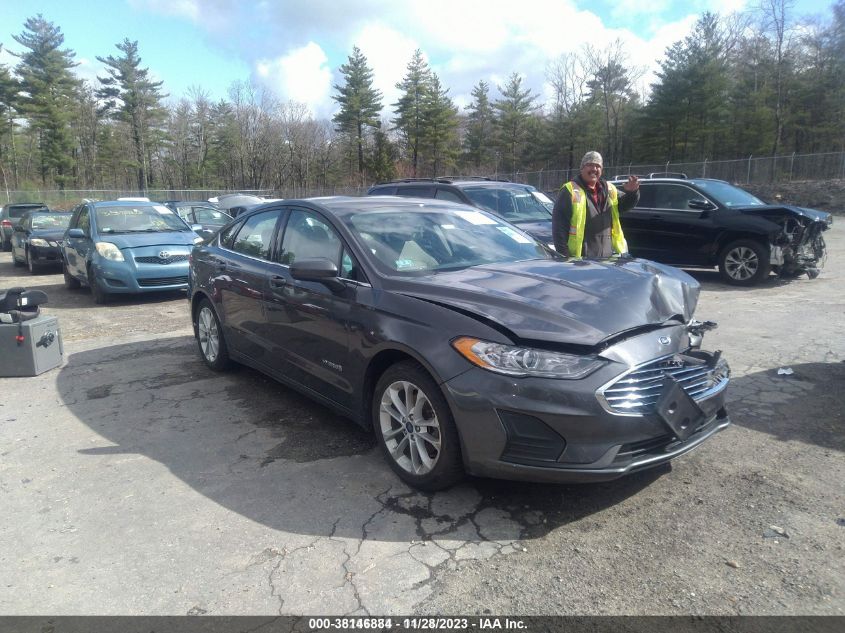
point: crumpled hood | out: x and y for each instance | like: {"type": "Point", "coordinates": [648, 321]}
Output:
{"type": "Point", "coordinates": [136, 240]}
{"type": "Point", "coordinates": [581, 302]}
{"type": "Point", "coordinates": [768, 209]}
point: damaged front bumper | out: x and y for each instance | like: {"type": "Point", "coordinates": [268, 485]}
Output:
{"type": "Point", "coordinates": [799, 247]}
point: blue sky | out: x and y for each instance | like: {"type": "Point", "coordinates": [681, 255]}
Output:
{"type": "Point", "coordinates": [295, 48]}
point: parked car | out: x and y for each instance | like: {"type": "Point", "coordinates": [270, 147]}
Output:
{"type": "Point", "coordinates": [126, 247]}
{"type": "Point", "coordinates": [522, 205]}
{"type": "Point", "coordinates": [464, 344]}
{"type": "Point", "coordinates": [37, 239]}
{"type": "Point", "coordinates": [207, 217]}
{"type": "Point", "coordinates": [701, 222]}
{"type": "Point", "coordinates": [10, 214]}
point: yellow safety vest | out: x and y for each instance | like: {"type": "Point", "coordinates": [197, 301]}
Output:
{"type": "Point", "coordinates": [579, 220]}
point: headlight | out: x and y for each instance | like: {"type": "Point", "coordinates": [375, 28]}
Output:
{"type": "Point", "coordinates": [37, 241]}
{"type": "Point", "coordinates": [525, 361]}
{"type": "Point", "coordinates": [107, 250]}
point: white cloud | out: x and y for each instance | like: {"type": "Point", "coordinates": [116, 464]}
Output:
{"type": "Point", "coordinates": [301, 75]}
{"type": "Point", "coordinates": [388, 52]}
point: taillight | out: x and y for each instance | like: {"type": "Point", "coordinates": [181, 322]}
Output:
{"type": "Point", "coordinates": [6, 223]}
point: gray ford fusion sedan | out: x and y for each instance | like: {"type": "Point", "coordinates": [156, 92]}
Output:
{"type": "Point", "coordinates": [464, 344]}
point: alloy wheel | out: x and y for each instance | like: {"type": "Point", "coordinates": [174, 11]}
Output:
{"type": "Point", "coordinates": [741, 263]}
{"type": "Point", "coordinates": [410, 427]}
{"type": "Point", "coordinates": [208, 334]}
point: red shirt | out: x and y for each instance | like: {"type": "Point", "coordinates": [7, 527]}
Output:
{"type": "Point", "coordinates": [597, 196]}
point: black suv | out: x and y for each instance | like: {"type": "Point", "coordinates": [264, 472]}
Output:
{"type": "Point", "coordinates": [522, 205]}
{"type": "Point", "coordinates": [701, 222]}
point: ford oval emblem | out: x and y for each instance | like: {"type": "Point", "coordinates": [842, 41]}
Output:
{"type": "Point", "coordinates": [664, 340]}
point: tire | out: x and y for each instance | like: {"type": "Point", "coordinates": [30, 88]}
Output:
{"type": "Point", "coordinates": [99, 295]}
{"type": "Point", "coordinates": [31, 265]}
{"type": "Point", "coordinates": [420, 441]}
{"type": "Point", "coordinates": [744, 263]}
{"type": "Point", "coordinates": [210, 339]}
{"type": "Point", "coordinates": [71, 282]}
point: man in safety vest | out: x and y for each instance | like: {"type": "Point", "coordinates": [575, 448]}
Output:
{"type": "Point", "coordinates": [585, 219]}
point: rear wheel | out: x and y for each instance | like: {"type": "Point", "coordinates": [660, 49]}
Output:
{"type": "Point", "coordinates": [744, 263]}
{"type": "Point", "coordinates": [71, 282]}
{"type": "Point", "coordinates": [100, 296]}
{"type": "Point", "coordinates": [210, 338]}
{"type": "Point", "coordinates": [415, 428]}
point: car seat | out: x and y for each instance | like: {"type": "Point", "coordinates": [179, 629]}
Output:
{"type": "Point", "coordinates": [18, 304]}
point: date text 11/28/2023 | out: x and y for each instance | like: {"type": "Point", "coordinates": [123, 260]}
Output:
{"type": "Point", "coordinates": [422, 623]}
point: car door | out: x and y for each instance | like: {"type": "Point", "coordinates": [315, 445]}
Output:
{"type": "Point", "coordinates": [239, 278]}
{"type": "Point", "coordinates": [308, 322]}
{"type": "Point", "coordinates": [664, 228]}
{"type": "Point", "coordinates": [20, 235]}
{"type": "Point", "coordinates": [77, 250]}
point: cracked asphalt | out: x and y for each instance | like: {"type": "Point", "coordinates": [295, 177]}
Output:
{"type": "Point", "coordinates": [135, 481]}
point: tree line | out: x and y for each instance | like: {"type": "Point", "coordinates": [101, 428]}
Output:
{"type": "Point", "coordinates": [761, 83]}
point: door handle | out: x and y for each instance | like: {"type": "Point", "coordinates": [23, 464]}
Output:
{"type": "Point", "coordinates": [277, 282]}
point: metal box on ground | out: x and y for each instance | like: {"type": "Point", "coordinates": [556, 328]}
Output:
{"type": "Point", "coordinates": [39, 350]}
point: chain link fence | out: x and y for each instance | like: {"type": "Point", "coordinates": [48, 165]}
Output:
{"type": "Point", "coordinates": [750, 170]}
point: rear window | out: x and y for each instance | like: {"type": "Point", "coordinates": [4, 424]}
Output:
{"type": "Point", "coordinates": [17, 210]}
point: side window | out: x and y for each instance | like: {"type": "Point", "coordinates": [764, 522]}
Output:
{"type": "Point", "coordinates": [228, 236]}
{"type": "Point", "coordinates": [84, 221]}
{"type": "Point", "coordinates": [445, 194]}
{"type": "Point", "coordinates": [646, 200]}
{"type": "Point", "coordinates": [383, 191]}
{"type": "Point", "coordinates": [673, 197]}
{"type": "Point", "coordinates": [308, 236]}
{"type": "Point", "coordinates": [349, 268]}
{"type": "Point", "coordinates": [416, 191]}
{"type": "Point", "coordinates": [256, 235]}
{"type": "Point", "coordinates": [204, 214]}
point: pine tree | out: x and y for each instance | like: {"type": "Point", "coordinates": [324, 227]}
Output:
{"type": "Point", "coordinates": [48, 91]}
{"type": "Point", "coordinates": [410, 109]}
{"type": "Point", "coordinates": [9, 90]}
{"type": "Point", "coordinates": [479, 135]}
{"type": "Point", "coordinates": [513, 111]}
{"type": "Point", "coordinates": [440, 139]}
{"type": "Point", "coordinates": [133, 98]}
{"type": "Point", "coordinates": [382, 164]}
{"type": "Point", "coordinates": [360, 103]}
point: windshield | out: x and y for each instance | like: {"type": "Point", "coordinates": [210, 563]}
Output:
{"type": "Point", "coordinates": [410, 242]}
{"type": "Point", "coordinates": [17, 210]}
{"type": "Point", "coordinates": [50, 220]}
{"type": "Point", "coordinates": [138, 219]}
{"type": "Point", "coordinates": [515, 204]}
{"type": "Point", "coordinates": [728, 195]}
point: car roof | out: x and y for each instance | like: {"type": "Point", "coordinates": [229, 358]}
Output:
{"type": "Point", "coordinates": [125, 203]}
{"type": "Point", "coordinates": [342, 206]}
{"type": "Point", "coordinates": [458, 182]}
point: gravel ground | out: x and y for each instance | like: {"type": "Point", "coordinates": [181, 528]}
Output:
{"type": "Point", "coordinates": [178, 491]}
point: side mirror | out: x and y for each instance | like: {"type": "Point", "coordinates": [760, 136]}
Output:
{"type": "Point", "coordinates": [317, 269]}
{"type": "Point", "coordinates": [75, 233]}
{"type": "Point", "coordinates": [196, 228]}
{"type": "Point", "coordinates": [701, 204]}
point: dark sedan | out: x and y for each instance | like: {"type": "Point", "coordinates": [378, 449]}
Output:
{"type": "Point", "coordinates": [37, 240]}
{"type": "Point", "coordinates": [701, 222]}
{"type": "Point", "coordinates": [465, 345]}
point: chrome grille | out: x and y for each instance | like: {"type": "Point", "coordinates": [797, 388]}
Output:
{"type": "Point", "coordinates": [158, 260]}
{"type": "Point", "coordinates": [636, 392]}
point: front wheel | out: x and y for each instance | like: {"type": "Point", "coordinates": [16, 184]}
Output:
{"type": "Point", "coordinates": [744, 263]}
{"type": "Point", "coordinates": [30, 264]}
{"type": "Point", "coordinates": [101, 297]}
{"type": "Point", "coordinates": [415, 428]}
{"type": "Point", "coordinates": [210, 338]}
{"type": "Point", "coordinates": [71, 282]}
